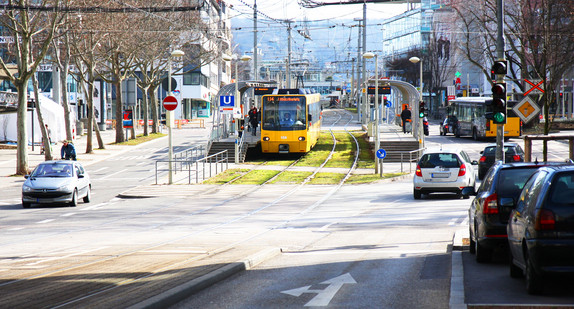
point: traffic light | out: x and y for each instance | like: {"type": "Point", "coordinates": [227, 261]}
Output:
{"type": "Point", "coordinates": [500, 67]}
{"type": "Point", "coordinates": [422, 110]}
{"type": "Point", "coordinates": [499, 103]}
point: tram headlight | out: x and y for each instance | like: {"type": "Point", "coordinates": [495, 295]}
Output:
{"type": "Point", "coordinates": [266, 138]}
{"type": "Point", "coordinates": [301, 138]}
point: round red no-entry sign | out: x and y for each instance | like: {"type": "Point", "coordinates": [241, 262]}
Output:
{"type": "Point", "coordinates": [170, 103]}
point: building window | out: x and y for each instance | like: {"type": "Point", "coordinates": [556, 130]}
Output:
{"type": "Point", "coordinates": [192, 78]}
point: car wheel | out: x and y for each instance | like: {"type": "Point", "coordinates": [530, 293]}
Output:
{"type": "Point", "coordinates": [515, 271]}
{"type": "Point", "coordinates": [417, 194]}
{"type": "Point", "coordinates": [74, 201]}
{"type": "Point", "coordinates": [26, 205]}
{"type": "Point", "coordinates": [472, 244]}
{"type": "Point", "coordinates": [483, 255]}
{"type": "Point", "coordinates": [533, 279]}
{"type": "Point", "coordinates": [88, 196]}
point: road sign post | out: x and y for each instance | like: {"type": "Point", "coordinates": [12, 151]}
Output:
{"type": "Point", "coordinates": [381, 154]}
{"type": "Point", "coordinates": [169, 103]}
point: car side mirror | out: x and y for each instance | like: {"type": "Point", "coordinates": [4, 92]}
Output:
{"type": "Point", "coordinates": [81, 176]}
{"type": "Point", "coordinates": [26, 176]}
{"type": "Point", "coordinates": [474, 162]}
{"type": "Point", "coordinates": [482, 151]}
{"type": "Point", "coordinates": [310, 117]}
{"type": "Point", "coordinates": [468, 191]}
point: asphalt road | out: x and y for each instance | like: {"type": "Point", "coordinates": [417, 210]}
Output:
{"type": "Point", "coordinates": [360, 246]}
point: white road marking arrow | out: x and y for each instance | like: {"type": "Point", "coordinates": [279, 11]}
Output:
{"type": "Point", "coordinates": [323, 296]}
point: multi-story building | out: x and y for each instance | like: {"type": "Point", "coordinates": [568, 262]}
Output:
{"type": "Point", "coordinates": [429, 31]}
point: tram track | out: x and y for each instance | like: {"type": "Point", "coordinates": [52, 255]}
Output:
{"type": "Point", "coordinates": [117, 259]}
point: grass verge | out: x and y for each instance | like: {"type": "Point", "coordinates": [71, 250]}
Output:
{"type": "Point", "coordinates": [256, 177]}
{"type": "Point", "coordinates": [291, 178]}
{"type": "Point", "coordinates": [327, 179]}
{"type": "Point", "coordinates": [369, 178]}
{"type": "Point", "coordinates": [226, 176]}
{"type": "Point", "coordinates": [141, 139]}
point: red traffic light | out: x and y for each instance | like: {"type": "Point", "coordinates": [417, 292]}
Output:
{"type": "Point", "coordinates": [499, 89]}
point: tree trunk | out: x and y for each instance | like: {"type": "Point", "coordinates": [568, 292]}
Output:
{"type": "Point", "coordinates": [67, 112]}
{"type": "Point", "coordinates": [101, 144]}
{"type": "Point", "coordinates": [90, 122]}
{"type": "Point", "coordinates": [154, 111]}
{"type": "Point", "coordinates": [45, 138]}
{"type": "Point", "coordinates": [145, 109]}
{"type": "Point", "coordinates": [22, 139]}
{"type": "Point", "coordinates": [119, 113]}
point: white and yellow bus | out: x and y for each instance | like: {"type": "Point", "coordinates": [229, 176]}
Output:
{"type": "Point", "coordinates": [470, 114]}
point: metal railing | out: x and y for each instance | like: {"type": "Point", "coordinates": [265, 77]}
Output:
{"type": "Point", "coordinates": [213, 160]}
{"type": "Point", "coordinates": [195, 166]}
{"type": "Point", "coordinates": [413, 156]}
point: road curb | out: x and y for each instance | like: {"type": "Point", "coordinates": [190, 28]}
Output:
{"type": "Point", "coordinates": [460, 241]}
{"type": "Point", "coordinates": [175, 295]}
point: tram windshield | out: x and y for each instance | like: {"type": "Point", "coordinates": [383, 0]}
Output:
{"type": "Point", "coordinates": [283, 113]}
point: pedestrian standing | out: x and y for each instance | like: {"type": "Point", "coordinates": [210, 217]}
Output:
{"type": "Point", "coordinates": [405, 117]}
{"type": "Point", "coordinates": [68, 151]}
{"type": "Point", "coordinates": [253, 121]}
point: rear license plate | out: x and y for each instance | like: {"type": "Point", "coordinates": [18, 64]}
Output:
{"type": "Point", "coordinates": [440, 175]}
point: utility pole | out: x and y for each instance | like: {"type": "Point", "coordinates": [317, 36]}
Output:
{"type": "Point", "coordinates": [366, 104]}
{"type": "Point", "coordinates": [500, 77]}
{"type": "Point", "coordinates": [255, 51]}
{"type": "Point", "coordinates": [288, 68]}
{"type": "Point", "coordinates": [359, 79]}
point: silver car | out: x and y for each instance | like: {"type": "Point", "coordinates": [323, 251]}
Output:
{"type": "Point", "coordinates": [444, 170]}
{"type": "Point", "coordinates": [54, 182]}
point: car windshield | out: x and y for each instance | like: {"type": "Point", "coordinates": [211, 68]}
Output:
{"type": "Point", "coordinates": [512, 180]}
{"type": "Point", "coordinates": [53, 170]}
{"type": "Point", "coordinates": [491, 151]}
{"type": "Point", "coordinates": [432, 160]}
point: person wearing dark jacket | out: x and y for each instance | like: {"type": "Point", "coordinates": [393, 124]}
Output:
{"type": "Point", "coordinates": [405, 116]}
{"type": "Point", "coordinates": [68, 151]}
{"type": "Point", "coordinates": [253, 120]}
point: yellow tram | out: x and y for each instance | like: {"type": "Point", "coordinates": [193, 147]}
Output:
{"type": "Point", "coordinates": [290, 123]}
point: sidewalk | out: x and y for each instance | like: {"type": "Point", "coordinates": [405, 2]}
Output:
{"type": "Point", "coordinates": [8, 156]}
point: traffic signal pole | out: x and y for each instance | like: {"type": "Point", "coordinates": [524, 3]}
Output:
{"type": "Point", "coordinates": [500, 77]}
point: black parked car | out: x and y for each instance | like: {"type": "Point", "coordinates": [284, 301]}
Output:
{"type": "Point", "coordinates": [512, 153]}
{"type": "Point", "coordinates": [541, 227]}
{"type": "Point", "coordinates": [489, 211]}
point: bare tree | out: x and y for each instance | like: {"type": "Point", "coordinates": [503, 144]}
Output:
{"type": "Point", "coordinates": [62, 59]}
{"type": "Point", "coordinates": [161, 34]}
{"type": "Point", "coordinates": [84, 45]}
{"type": "Point", "coordinates": [539, 37]}
{"type": "Point", "coordinates": [29, 28]}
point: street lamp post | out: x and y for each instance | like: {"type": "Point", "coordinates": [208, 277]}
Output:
{"type": "Point", "coordinates": [169, 114]}
{"type": "Point", "coordinates": [420, 127]}
{"type": "Point", "coordinates": [237, 98]}
{"type": "Point", "coordinates": [369, 55]}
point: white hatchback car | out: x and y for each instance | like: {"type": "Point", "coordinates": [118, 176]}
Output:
{"type": "Point", "coordinates": [444, 170]}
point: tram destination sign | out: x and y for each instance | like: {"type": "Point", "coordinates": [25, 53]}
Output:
{"type": "Point", "coordinates": [382, 90]}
